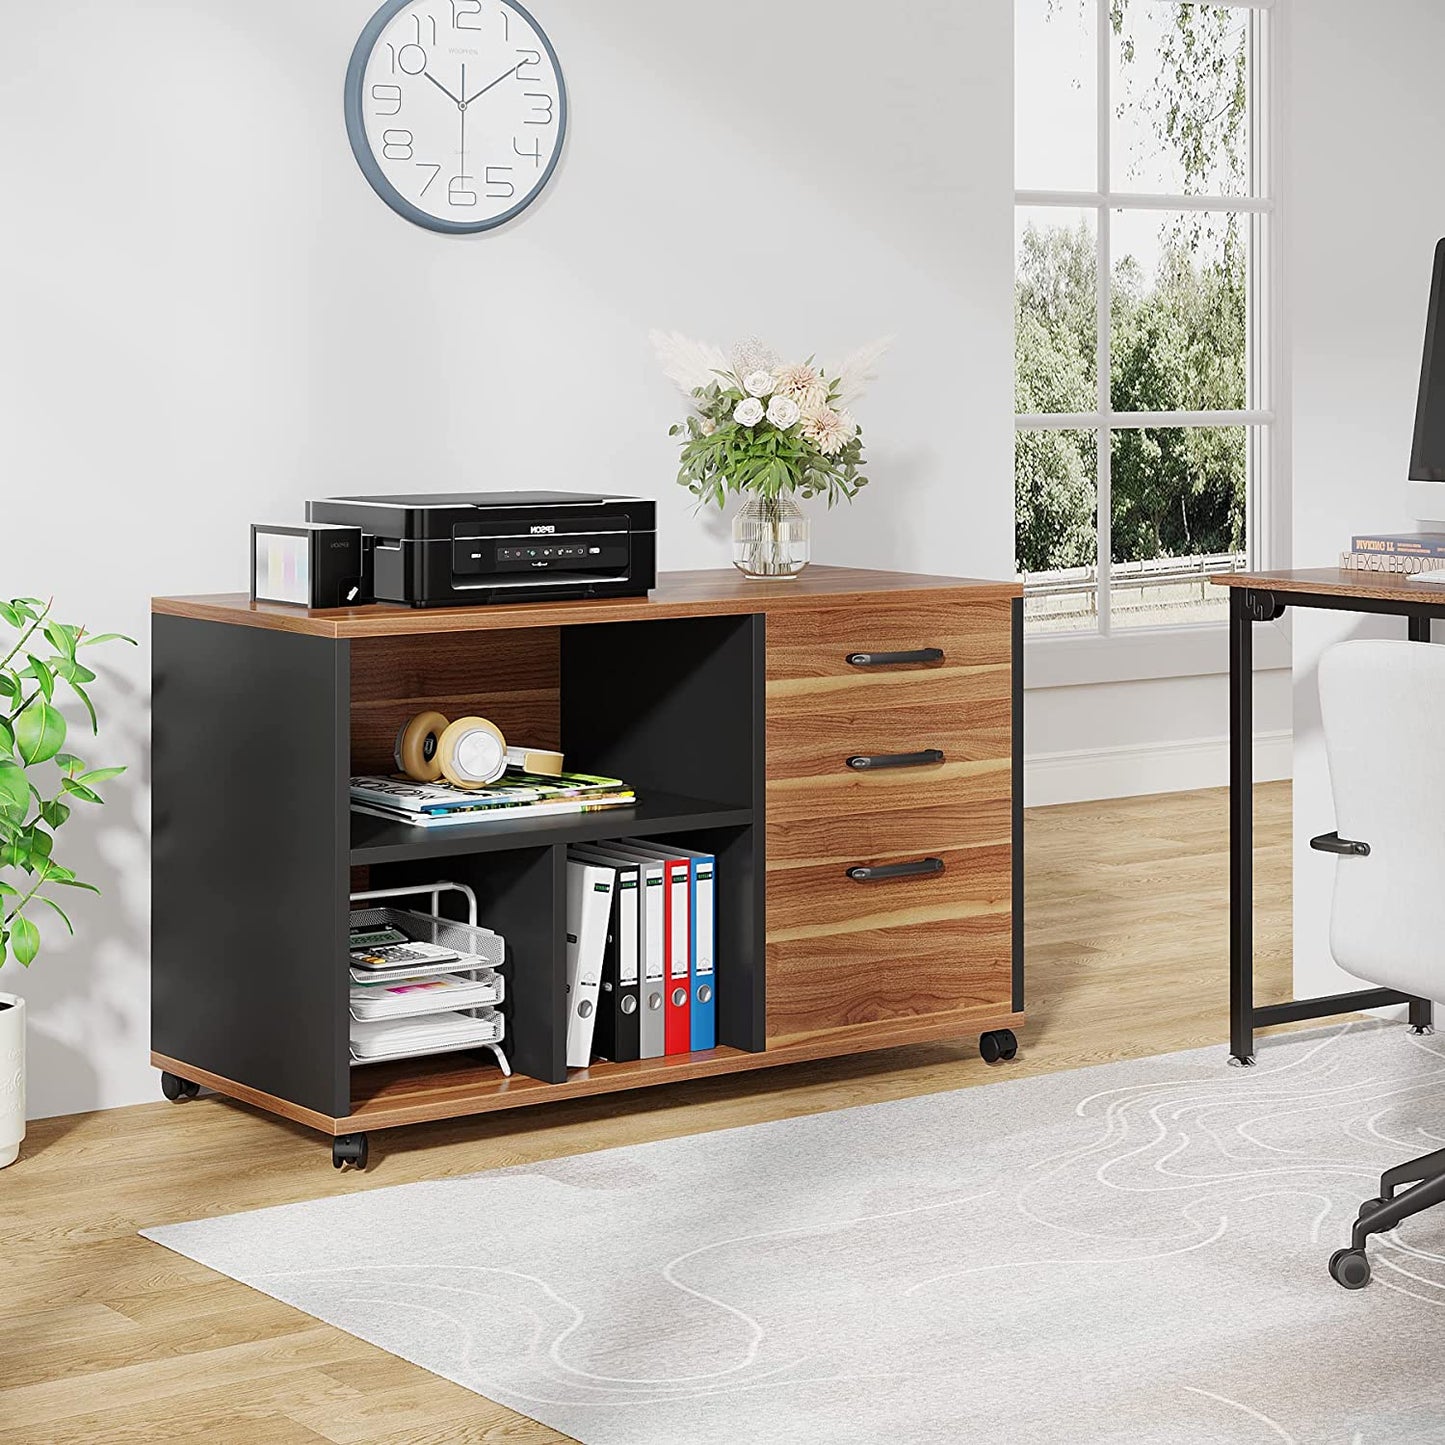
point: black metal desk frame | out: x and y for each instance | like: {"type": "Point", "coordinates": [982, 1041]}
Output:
{"type": "Point", "coordinates": [1248, 605]}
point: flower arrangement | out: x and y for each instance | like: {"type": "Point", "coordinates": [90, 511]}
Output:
{"type": "Point", "coordinates": [766, 427]}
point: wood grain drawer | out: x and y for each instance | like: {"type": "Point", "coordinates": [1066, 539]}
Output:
{"type": "Point", "coordinates": [842, 954]}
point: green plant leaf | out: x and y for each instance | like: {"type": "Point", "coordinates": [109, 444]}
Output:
{"type": "Point", "coordinates": [80, 791]}
{"type": "Point", "coordinates": [39, 732]}
{"type": "Point", "coordinates": [6, 891]}
{"type": "Point", "coordinates": [54, 813]}
{"type": "Point", "coordinates": [9, 614]}
{"type": "Point", "coordinates": [7, 739]}
{"type": "Point", "coordinates": [71, 670]}
{"type": "Point", "coordinates": [61, 637]}
{"type": "Point", "coordinates": [84, 696]}
{"type": "Point", "coordinates": [14, 785]}
{"type": "Point", "coordinates": [51, 903]}
{"type": "Point", "coordinates": [76, 883]}
{"type": "Point", "coordinates": [24, 939]}
{"type": "Point", "coordinates": [99, 775]}
{"type": "Point", "coordinates": [10, 685]}
{"type": "Point", "coordinates": [69, 763]}
{"type": "Point", "coordinates": [40, 671]}
{"type": "Point", "coordinates": [87, 641]}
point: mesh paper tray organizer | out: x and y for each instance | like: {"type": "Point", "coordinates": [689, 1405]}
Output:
{"type": "Point", "coordinates": [375, 1040]}
{"type": "Point", "coordinates": [479, 951]}
{"type": "Point", "coordinates": [435, 992]}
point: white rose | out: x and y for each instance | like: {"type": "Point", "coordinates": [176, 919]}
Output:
{"type": "Point", "coordinates": [749, 412]}
{"type": "Point", "coordinates": [759, 383]}
{"type": "Point", "coordinates": [784, 412]}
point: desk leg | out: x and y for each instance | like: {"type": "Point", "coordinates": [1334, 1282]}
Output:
{"type": "Point", "coordinates": [1241, 828]}
{"type": "Point", "coordinates": [1422, 1011]}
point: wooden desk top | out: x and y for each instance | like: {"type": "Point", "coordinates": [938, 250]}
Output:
{"type": "Point", "coordinates": [1339, 582]}
{"type": "Point", "coordinates": [714, 592]}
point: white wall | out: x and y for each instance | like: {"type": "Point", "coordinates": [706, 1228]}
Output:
{"type": "Point", "coordinates": [210, 317]}
{"type": "Point", "coordinates": [1367, 124]}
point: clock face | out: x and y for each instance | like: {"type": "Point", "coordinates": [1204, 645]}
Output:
{"type": "Point", "coordinates": [456, 110]}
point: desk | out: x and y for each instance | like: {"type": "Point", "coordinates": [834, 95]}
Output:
{"type": "Point", "coordinates": [1263, 597]}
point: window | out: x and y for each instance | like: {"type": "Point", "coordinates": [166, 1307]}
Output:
{"type": "Point", "coordinates": [1143, 308]}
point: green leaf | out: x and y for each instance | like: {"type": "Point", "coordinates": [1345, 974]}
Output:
{"type": "Point", "coordinates": [40, 671]}
{"type": "Point", "coordinates": [54, 813]}
{"type": "Point", "coordinates": [76, 883]}
{"type": "Point", "coordinates": [80, 791]}
{"type": "Point", "coordinates": [10, 685]}
{"type": "Point", "coordinates": [99, 775]}
{"type": "Point", "coordinates": [68, 763]}
{"type": "Point", "coordinates": [61, 638]}
{"type": "Point", "coordinates": [7, 739]}
{"type": "Point", "coordinates": [6, 891]}
{"type": "Point", "coordinates": [9, 614]}
{"type": "Point", "coordinates": [70, 670]}
{"type": "Point", "coordinates": [87, 641]}
{"type": "Point", "coordinates": [84, 696]}
{"type": "Point", "coordinates": [14, 785]}
{"type": "Point", "coordinates": [39, 733]}
{"type": "Point", "coordinates": [24, 939]}
{"type": "Point", "coordinates": [51, 903]}
{"type": "Point", "coordinates": [54, 872]}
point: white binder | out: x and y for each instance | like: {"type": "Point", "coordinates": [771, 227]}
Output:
{"type": "Point", "coordinates": [589, 903]}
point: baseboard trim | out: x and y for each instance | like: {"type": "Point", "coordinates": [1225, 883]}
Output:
{"type": "Point", "coordinates": [1129, 772]}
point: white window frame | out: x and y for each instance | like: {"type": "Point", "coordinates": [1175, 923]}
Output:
{"type": "Point", "coordinates": [1107, 655]}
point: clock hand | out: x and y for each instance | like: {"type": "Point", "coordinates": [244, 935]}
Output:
{"type": "Point", "coordinates": [497, 81]}
{"type": "Point", "coordinates": [429, 76]}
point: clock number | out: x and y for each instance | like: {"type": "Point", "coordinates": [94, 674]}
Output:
{"type": "Point", "coordinates": [416, 20]}
{"type": "Point", "coordinates": [534, 59]}
{"type": "Point", "coordinates": [535, 154]}
{"type": "Point", "coordinates": [387, 95]}
{"type": "Point", "coordinates": [396, 145]}
{"type": "Point", "coordinates": [462, 8]}
{"type": "Point", "coordinates": [418, 60]}
{"type": "Point", "coordinates": [435, 170]}
{"type": "Point", "coordinates": [506, 22]}
{"type": "Point", "coordinates": [458, 194]}
{"type": "Point", "coordinates": [505, 189]}
{"type": "Point", "coordinates": [544, 108]}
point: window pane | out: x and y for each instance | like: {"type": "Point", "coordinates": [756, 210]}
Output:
{"type": "Point", "coordinates": [1180, 104]}
{"type": "Point", "coordinates": [1178, 507]}
{"type": "Point", "coordinates": [1055, 68]}
{"type": "Point", "coordinates": [1056, 261]}
{"type": "Point", "coordinates": [1179, 311]}
{"type": "Point", "coordinates": [1056, 533]}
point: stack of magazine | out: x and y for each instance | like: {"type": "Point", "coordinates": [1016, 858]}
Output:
{"type": "Point", "coordinates": [515, 796]}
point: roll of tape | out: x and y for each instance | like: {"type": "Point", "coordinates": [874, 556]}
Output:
{"type": "Point", "coordinates": [416, 747]}
{"type": "Point", "coordinates": [472, 753]}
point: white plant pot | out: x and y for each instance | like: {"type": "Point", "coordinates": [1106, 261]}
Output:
{"type": "Point", "coordinates": [12, 1077]}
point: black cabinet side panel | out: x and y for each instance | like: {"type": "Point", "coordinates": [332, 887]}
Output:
{"type": "Point", "coordinates": [250, 753]}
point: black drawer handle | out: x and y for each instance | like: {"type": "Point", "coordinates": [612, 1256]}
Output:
{"type": "Point", "coordinates": [1345, 847]}
{"type": "Point", "coordinates": [894, 659]}
{"type": "Point", "coordinates": [867, 764]}
{"type": "Point", "coordinates": [896, 870]}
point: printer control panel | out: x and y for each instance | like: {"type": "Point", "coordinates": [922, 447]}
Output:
{"type": "Point", "coordinates": [519, 558]}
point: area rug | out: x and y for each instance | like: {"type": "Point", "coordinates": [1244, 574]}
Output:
{"type": "Point", "coordinates": [1133, 1252]}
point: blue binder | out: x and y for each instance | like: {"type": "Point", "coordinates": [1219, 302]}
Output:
{"type": "Point", "coordinates": [702, 950]}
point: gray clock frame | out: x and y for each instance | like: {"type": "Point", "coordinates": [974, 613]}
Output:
{"type": "Point", "coordinates": [366, 158]}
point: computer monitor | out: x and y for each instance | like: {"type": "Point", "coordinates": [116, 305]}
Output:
{"type": "Point", "coordinates": [1427, 456]}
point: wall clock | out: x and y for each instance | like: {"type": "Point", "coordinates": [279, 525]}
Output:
{"type": "Point", "coordinates": [456, 110]}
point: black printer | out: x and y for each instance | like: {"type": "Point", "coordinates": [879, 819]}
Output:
{"type": "Point", "coordinates": [443, 550]}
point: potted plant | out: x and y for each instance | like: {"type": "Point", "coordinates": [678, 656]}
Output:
{"type": "Point", "coordinates": [770, 431]}
{"type": "Point", "coordinates": [38, 783]}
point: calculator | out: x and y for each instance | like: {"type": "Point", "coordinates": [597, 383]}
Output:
{"type": "Point", "coordinates": [382, 948]}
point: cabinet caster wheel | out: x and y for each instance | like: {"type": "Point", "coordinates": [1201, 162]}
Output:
{"type": "Point", "coordinates": [175, 1088]}
{"type": "Point", "coordinates": [998, 1046]}
{"type": "Point", "coordinates": [1369, 1207]}
{"type": "Point", "coordinates": [349, 1149]}
{"type": "Point", "coordinates": [1350, 1268]}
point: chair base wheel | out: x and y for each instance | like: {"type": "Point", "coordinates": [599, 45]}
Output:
{"type": "Point", "coordinates": [176, 1088]}
{"type": "Point", "coordinates": [1350, 1267]}
{"type": "Point", "coordinates": [998, 1046]}
{"type": "Point", "coordinates": [349, 1149]}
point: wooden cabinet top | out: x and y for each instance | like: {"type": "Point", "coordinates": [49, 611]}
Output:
{"type": "Point", "coordinates": [677, 594]}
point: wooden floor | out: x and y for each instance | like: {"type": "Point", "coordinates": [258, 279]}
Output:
{"type": "Point", "coordinates": [106, 1337]}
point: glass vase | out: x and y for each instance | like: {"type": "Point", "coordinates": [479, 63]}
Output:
{"type": "Point", "coordinates": [771, 539]}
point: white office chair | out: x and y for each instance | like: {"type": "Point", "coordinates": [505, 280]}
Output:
{"type": "Point", "coordinates": [1383, 705]}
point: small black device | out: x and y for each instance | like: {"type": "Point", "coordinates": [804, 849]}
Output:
{"type": "Point", "coordinates": [314, 564]}
{"type": "Point", "coordinates": [450, 549]}
{"type": "Point", "coordinates": [1427, 455]}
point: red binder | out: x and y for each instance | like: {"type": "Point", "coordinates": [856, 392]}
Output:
{"type": "Point", "coordinates": [677, 962]}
